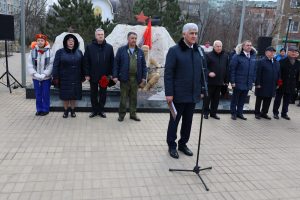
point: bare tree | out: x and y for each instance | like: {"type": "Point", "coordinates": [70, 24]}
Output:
{"type": "Point", "coordinates": [125, 11]}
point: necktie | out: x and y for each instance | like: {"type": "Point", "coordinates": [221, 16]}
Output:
{"type": "Point", "coordinates": [248, 55]}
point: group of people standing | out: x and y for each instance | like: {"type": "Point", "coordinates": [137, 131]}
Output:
{"type": "Point", "coordinates": [184, 82]}
{"type": "Point", "coordinates": [187, 70]}
{"type": "Point", "coordinates": [98, 65]}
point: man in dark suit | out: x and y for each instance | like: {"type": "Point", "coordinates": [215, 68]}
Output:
{"type": "Point", "coordinates": [182, 78]}
{"type": "Point", "coordinates": [267, 76]}
{"type": "Point", "coordinates": [217, 67]}
{"type": "Point", "coordinates": [242, 76]}
{"type": "Point", "coordinates": [289, 70]}
{"type": "Point", "coordinates": [99, 61]}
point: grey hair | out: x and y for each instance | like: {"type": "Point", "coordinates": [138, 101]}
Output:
{"type": "Point", "coordinates": [99, 29]}
{"type": "Point", "coordinates": [217, 41]}
{"type": "Point", "coordinates": [189, 26]}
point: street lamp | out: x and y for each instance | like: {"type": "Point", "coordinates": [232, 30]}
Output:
{"type": "Point", "coordinates": [287, 32]}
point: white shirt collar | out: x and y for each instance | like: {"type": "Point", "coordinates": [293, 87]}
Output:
{"type": "Point", "coordinates": [188, 45]}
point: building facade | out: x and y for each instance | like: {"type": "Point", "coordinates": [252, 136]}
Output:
{"type": "Point", "coordinates": [288, 9]}
{"type": "Point", "coordinates": [10, 7]}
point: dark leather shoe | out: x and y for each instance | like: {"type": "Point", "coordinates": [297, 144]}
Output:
{"type": "Point", "coordinates": [66, 113]}
{"type": "Point", "coordinates": [73, 114]}
{"type": "Point", "coordinates": [185, 150]}
{"type": "Point", "coordinates": [135, 118]}
{"type": "Point", "coordinates": [257, 116]}
{"type": "Point", "coordinates": [215, 117]}
{"type": "Point", "coordinates": [37, 113]}
{"type": "Point", "coordinates": [286, 117]}
{"type": "Point", "coordinates": [173, 153]}
{"type": "Point", "coordinates": [120, 119]}
{"type": "Point", "coordinates": [298, 104]}
{"type": "Point", "coordinates": [276, 117]}
{"type": "Point", "coordinates": [93, 114]}
{"type": "Point", "coordinates": [44, 113]}
{"type": "Point", "coordinates": [265, 116]}
{"type": "Point", "coordinates": [241, 117]}
{"type": "Point", "coordinates": [102, 114]}
{"type": "Point", "coordinates": [205, 116]}
{"type": "Point", "coordinates": [233, 117]}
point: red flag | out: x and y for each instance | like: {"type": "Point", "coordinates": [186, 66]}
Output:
{"type": "Point", "coordinates": [148, 35]}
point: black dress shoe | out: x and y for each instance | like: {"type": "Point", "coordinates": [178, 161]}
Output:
{"type": "Point", "coordinates": [257, 116]}
{"type": "Point", "coordinates": [120, 119]}
{"type": "Point", "coordinates": [66, 114]}
{"type": "Point", "coordinates": [233, 117]}
{"type": "Point", "coordinates": [286, 117]}
{"type": "Point", "coordinates": [185, 150]}
{"type": "Point", "coordinates": [241, 117]}
{"type": "Point", "coordinates": [205, 116]}
{"type": "Point", "coordinates": [44, 113]}
{"type": "Point", "coordinates": [215, 117]}
{"type": "Point", "coordinates": [298, 104]}
{"type": "Point", "coordinates": [276, 117]}
{"type": "Point", "coordinates": [73, 113]}
{"type": "Point", "coordinates": [173, 153]}
{"type": "Point", "coordinates": [135, 118]}
{"type": "Point", "coordinates": [38, 113]}
{"type": "Point", "coordinates": [93, 114]}
{"type": "Point", "coordinates": [265, 116]}
{"type": "Point", "coordinates": [102, 114]}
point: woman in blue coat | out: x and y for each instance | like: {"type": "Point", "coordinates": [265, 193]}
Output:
{"type": "Point", "coordinates": [68, 73]}
{"type": "Point", "coordinates": [268, 74]}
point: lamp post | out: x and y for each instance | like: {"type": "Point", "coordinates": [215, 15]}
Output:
{"type": "Point", "coordinates": [242, 22]}
{"type": "Point", "coordinates": [287, 32]}
{"type": "Point", "coordinates": [23, 59]}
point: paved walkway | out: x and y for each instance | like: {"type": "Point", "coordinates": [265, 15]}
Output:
{"type": "Point", "coordinates": [53, 158]}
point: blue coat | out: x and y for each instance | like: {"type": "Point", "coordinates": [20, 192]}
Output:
{"type": "Point", "coordinates": [122, 64]}
{"type": "Point", "coordinates": [183, 73]}
{"type": "Point", "coordinates": [268, 73]}
{"type": "Point", "coordinates": [243, 70]}
{"type": "Point", "coordinates": [68, 69]}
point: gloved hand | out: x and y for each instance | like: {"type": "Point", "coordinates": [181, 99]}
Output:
{"type": "Point", "coordinates": [37, 76]}
{"type": "Point", "coordinates": [42, 76]}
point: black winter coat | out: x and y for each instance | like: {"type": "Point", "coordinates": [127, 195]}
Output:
{"type": "Point", "coordinates": [217, 63]}
{"type": "Point", "coordinates": [98, 60]}
{"type": "Point", "coordinates": [289, 75]}
{"type": "Point", "coordinates": [183, 73]}
{"type": "Point", "coordinates": [68, 69]}
{"type": "Point", "coordinates": [268, 73]}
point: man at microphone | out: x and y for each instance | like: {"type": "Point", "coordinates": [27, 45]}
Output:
{"type": "Point", "coordinates": [183, 87]}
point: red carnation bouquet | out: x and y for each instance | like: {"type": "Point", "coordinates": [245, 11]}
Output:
{"type": "Point", "coordinates": [279, 82]}
{"type": "Point", "coordinates": [103, 82]}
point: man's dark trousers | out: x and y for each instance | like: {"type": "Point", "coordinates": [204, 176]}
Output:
{"type": "Point", "coordinates": [212, 100]}
{"type": "Point", "coordinates": [238, 101]}
{"type": "Point", "coordinates": [98, 97]}
{"type": "Point", "coordinates": [186, 111]}
{"type": "Point", "coordinates": [285, 103]}
{"type": "Point", "coordinates": [266, 101]}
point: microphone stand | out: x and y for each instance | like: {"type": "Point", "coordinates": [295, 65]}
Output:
{"type": "Point", "coordinates": [197, 168]}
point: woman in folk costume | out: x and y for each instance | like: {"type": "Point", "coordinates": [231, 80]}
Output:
{"type": "Point", "coordinates": [39, 65]}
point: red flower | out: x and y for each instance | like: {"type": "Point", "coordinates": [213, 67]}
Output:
{"type": "Point", "coordinates": [279, 82]}
{"type": "Point", "coordinates": [103, 82]}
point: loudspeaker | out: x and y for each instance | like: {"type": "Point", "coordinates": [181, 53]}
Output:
{"type": "Point", "coordinates": [262, 44]}
{"type": "Point", "coordinates": [7, 27]}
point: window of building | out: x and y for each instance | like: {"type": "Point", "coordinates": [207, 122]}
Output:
{"type": "Point", "coordinates": [295, 3]}
{"type": "Point", "coordinates": [295, 27]}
